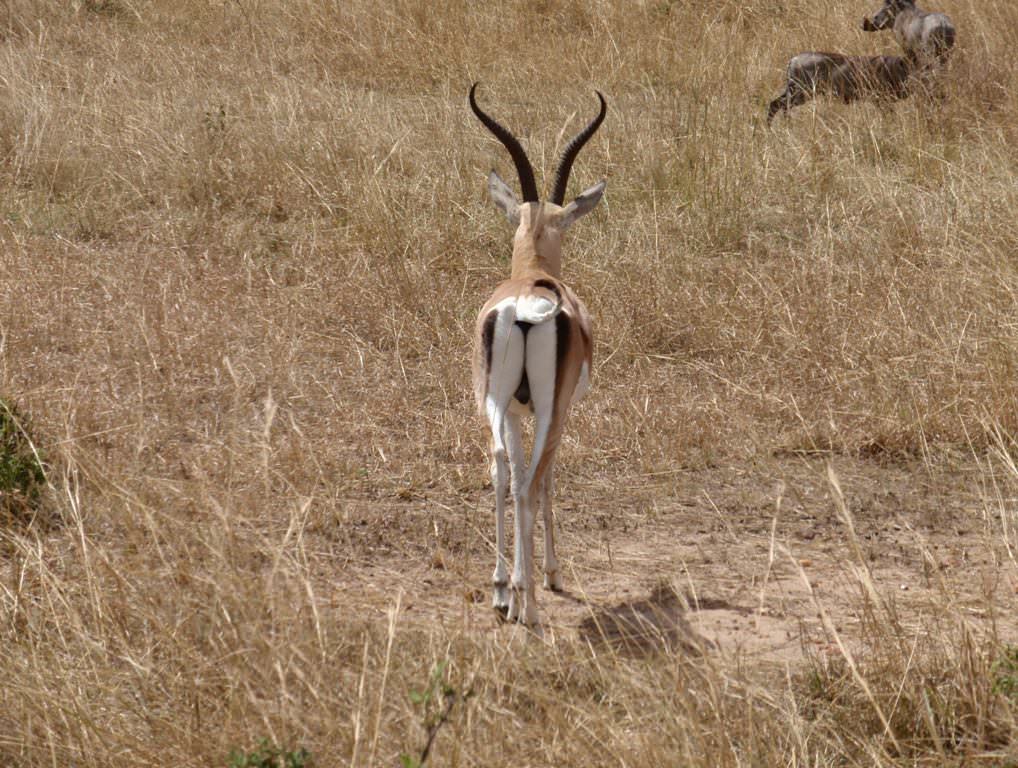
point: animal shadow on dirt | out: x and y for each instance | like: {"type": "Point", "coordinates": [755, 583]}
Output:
{"type": "Point", "coordinates": [650, 625]}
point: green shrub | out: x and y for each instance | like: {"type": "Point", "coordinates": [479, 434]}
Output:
{"type": "Point", "coordinates": [1005, 674]}
{"type": "Point", "coordinates": [22, 475]}
{"type": "Point", "coordinates": [267, 755]}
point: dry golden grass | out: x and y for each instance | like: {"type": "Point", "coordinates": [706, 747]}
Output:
{"type": "Point", "coordinates": [242, 245]}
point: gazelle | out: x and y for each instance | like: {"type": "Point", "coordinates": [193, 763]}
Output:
{"type": "Point", "coordinates": [532, 353]}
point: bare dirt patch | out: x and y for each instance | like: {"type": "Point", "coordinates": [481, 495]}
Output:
{"type": "Point", "coordinates": [739, 564]}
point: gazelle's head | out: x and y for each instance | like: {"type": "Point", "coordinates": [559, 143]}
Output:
{"type": "Point", "coordinates": [884, 18]}
{"type": "Point", "coordinates": [539, 225]}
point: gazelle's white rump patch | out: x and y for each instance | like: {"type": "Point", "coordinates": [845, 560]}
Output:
{"type": "Point", "coordinates": [504, 373]}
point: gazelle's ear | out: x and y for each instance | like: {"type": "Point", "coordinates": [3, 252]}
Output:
{"type": "Point", "coordinates": [581, 206]}
{"type": "Point", "coordinates": [504, 198]}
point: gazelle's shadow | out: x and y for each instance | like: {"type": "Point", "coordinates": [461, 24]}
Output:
{"type": "Point", "coordinates": [647, 625]}
{"type": "Point", "coordinates": [571, 596]}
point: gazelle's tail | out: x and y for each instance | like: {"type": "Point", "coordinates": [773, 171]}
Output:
{"type": "Point", "coordinates": [536, 308]}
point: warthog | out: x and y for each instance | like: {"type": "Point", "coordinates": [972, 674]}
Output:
{"type": "Point", "coordinates": [926, 38]}
{"type": "Point", "coordinates": [847, 77]}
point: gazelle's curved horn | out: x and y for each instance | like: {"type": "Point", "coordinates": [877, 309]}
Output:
{"type": "Point", "coordinates": [523, 168]}
{"type": "Point", "coordinates": [565, 165]}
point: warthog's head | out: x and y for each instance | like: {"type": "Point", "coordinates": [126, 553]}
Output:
{"type": "Point", "coordinates": [884, 18]}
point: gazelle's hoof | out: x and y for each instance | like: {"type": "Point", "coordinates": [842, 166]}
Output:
{"type": "Point", "coordinates": [500, 601]}
{"type": "Point", "coordinates": [521, 610]}
{"type": "Point", "coordinates": [553, 581]}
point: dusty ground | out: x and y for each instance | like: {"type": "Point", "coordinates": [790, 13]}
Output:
{"type": "Point", "coordinates": [723, 564]}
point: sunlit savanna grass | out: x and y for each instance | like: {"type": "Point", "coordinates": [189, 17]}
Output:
{"type": "Point", "coordinates": [241, 249]}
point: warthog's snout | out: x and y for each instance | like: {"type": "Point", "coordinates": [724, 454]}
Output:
{"type": "Point", "coordinates": [881, 20]}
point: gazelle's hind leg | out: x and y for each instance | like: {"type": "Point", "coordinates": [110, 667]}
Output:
{"type": "Point", "coordinates": [552, 575]}
{"type": "Point", "coordinates": [517, 466]}
{"type": "Point", "coordinates": [500, 578]}
{"type": "Point", "coordinates": [504, 376]}
{"type": "Point", "coordinates": [522, 605]}
{"type": "Point", "coordinates": [540, 364]}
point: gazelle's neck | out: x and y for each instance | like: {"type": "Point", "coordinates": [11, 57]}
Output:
{"type": "Point", "coordinates": [537, 246]}
{"type": "Point", "coordinates": [527, 262]}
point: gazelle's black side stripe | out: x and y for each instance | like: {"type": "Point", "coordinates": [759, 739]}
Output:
{"type": "Point", "coordinates": [563, 338]}
{"type": "Point", "coordinates": [488, 338]}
